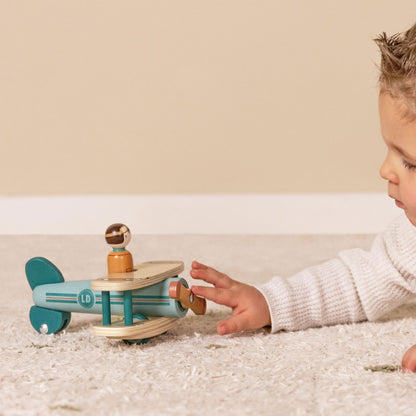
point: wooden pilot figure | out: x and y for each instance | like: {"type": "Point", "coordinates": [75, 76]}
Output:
{"type": "Point", "coordinates": [119, 260]}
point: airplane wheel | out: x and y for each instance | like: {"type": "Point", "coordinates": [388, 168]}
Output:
{"type": "Point", "coordinates": [47, 321]}
{"type": "Point", "coordinates": [136, 341]}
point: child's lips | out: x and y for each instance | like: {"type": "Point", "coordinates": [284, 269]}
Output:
{"type": "Point", "coordinates": [399, 203]}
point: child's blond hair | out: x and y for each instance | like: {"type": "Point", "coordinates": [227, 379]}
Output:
{"type": "Point", "coordinates": [398, 67]}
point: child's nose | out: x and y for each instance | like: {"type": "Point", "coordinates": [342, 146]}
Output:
{"type": "Point", "coordinates": [387, 172]}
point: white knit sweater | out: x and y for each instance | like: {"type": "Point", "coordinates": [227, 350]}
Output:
{"type": "Point", "coordinates": [357, 285]}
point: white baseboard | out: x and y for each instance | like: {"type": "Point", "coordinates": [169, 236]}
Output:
{"type": "Point", "coordinates": [199, 214]}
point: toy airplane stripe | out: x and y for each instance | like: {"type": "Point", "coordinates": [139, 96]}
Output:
{"type": "Point", "coordinates": [60, 298]}
{"type": "Point", "coordinates": [70, 295]}
{"type": "Point", "coordinates": [136, 299]}
{"type": "Point", "coordinates": [116, 301]}
{"type": "Point", "coordinates": [151, 297]}
{"type": "Point", "coordinates": [146, 302]}
{"type": "Point", "coordinates": [136, 302]}
{"type": "Point", "coordinates": [160, 302]}
{"type": "Point", "coordinates": [139, 298]}
{"type": "Point", "coordinates": [73, 295]}
{"type": "Point", "coordinates": [158, 299]}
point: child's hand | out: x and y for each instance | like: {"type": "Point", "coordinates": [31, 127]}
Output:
{"type": "Point", "coordinates": [250, 310]}
{"type": "Point", "coordinates": [409, 360]}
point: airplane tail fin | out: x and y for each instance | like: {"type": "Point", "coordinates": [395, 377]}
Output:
{"type": "Point", "coordinates": [40, 271]}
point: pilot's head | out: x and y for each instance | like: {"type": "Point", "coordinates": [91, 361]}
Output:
{"type": "Point", "coordinates": [118, 235]}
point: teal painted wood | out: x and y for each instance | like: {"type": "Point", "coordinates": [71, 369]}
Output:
{"type": "Point", "coordinates": [106, 307]}
{"type": "Point", "coordinates": [40, 271]}
{"type": "Point", "coordinates": [47, 321]}
{"type": "Point", "coordinates": [77, 296]}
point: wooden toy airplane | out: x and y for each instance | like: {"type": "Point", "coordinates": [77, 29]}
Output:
{"type": "Point", "coordinates": [151, 298]}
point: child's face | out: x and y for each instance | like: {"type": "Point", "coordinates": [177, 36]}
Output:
{"type": "Point", "coordinates": [399, 168]}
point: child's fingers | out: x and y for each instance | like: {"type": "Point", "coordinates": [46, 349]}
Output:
{"type": "Point", "coordinates": [197, 265]}
{"type": "Point", "coordinates": [220, 296]}
{"type": "Point", "coordinates": [233, 324]}
{"type": "Point", "coordinates": [212, 276]}
{"type": "Point", "coordinates": [200, 267]}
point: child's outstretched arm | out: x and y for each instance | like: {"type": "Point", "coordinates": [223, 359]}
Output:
{"type": "Point", "coordinates": [250, 309]}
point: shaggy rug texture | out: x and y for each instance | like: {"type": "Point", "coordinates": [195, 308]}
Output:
{"type": "Point", "coordinates": [338, 370]}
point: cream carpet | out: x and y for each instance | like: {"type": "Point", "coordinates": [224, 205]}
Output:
{"type": "Point", "coordinates": [191, 370]}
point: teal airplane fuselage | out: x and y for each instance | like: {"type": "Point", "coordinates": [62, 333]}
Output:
{"type": "Point", "coordinates": [77, 296]}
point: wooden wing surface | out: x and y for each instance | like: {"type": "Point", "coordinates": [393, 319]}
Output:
{"type": "Point", "coordinates": [141, 329]}
{"type": "Point", "coordinates": [144, 274]}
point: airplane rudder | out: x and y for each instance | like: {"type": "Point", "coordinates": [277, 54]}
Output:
{"type": "Point", "coordinates": [41, 271]}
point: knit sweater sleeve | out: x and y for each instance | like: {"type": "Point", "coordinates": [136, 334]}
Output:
{"type": "Point", "coordinates": [356, 285]}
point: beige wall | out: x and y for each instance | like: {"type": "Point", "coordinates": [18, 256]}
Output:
{"type": "Point", "coordinates": [191, 96]}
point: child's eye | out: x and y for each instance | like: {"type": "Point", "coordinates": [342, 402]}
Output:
{"type": "Point", "coordinates": [408, 165]}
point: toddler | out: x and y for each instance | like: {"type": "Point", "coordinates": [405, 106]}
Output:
{"type": "Point", "coordinates": [356, 285]}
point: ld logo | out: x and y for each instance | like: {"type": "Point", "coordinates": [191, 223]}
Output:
{"type": "Point", "coordinates": [86, 298]}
